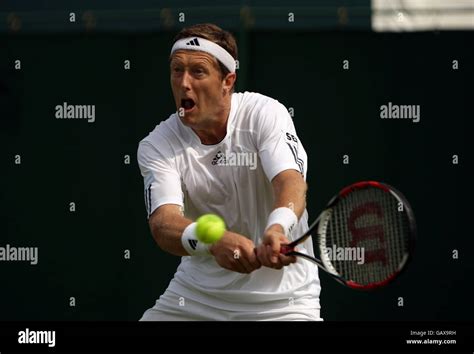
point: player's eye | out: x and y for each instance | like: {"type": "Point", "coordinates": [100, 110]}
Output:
{"type": "Point", "coordinates": [199, 71]}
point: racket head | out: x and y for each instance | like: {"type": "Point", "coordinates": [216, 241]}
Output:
{"type": "Point", "coordinates": [366, 235]}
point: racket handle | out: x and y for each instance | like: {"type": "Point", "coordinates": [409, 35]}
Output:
{"type": "Point", "coordinates": [284, 249]}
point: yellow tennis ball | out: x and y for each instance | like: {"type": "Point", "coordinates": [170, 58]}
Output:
{"type": "Point", "coordinates": [210, 228]}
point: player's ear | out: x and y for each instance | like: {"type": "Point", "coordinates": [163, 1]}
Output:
{"type": "Point", "coordinates": [228, 82]}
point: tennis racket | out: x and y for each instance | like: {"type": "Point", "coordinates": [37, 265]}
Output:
{"type": "Point", "coordinates": [368, 219]}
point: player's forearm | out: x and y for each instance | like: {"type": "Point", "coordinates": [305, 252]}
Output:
{"type": "Point", "coordinates": [290, 192]}
{"type": "Point", "coordinates": [167, 230]}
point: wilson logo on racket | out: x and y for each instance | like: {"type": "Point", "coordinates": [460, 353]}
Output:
{"type": "Point", "coordinates": [360, 234]}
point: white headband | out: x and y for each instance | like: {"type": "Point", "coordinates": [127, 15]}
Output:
{"type": "Point", "coordinates": [197, 43]}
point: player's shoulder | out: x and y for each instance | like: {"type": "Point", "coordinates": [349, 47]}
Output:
{"type": "Point", "coordinates": [161, 140]}
{"type": "Point", "coordinates": [163, 133]}
{"type": "Point", "coordinates": [256, 111]}
{"type": "Point", "coordinates": [257, 102]}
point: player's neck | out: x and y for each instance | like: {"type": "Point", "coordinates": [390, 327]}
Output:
{"type": "Point", "coordinates": [216, 130]}
{"type": "Point", "coordinates": [214, 134]}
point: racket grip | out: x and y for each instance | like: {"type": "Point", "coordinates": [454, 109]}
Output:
{"type": "Point", "coordinates": [284, 249]}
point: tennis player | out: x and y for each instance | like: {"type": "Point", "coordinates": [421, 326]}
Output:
{"type": "Point", "coordinates": [236, 155]}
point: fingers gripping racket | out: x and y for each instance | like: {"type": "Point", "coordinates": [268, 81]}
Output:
{"type": "Point", "coordinates": [366, 218]}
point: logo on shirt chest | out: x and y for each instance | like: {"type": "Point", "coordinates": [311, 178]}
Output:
{"type": "Point", "coordinates": [219, 159]}
{"type": "Point", "coordinates": [240, 159]}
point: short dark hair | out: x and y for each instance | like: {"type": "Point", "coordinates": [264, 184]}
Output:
{"type": "Point", "coordinates": [214, 34]}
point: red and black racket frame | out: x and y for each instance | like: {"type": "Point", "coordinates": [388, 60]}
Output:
{"type": "Point", "coordinates": [289, 249]}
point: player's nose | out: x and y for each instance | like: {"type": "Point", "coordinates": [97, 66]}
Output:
{"type": "Point", "coordinates": [186, 79]}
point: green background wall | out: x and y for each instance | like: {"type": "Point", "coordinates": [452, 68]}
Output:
{"type": "Point", "coordinates": [81, 254]}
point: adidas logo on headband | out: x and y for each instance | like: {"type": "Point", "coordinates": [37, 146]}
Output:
{"type": "Point", "coordinates": [204, 45]}
{"type": "Point", "coordinates": [193, 42]}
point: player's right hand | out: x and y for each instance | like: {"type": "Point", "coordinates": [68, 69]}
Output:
{"type": "Point", "coordinates": [235, 252]}
{"type": "Point", "coordinates": [268, 252]}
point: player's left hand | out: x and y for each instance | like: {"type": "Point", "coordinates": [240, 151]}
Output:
{"type": "Point", "coordinates": [268, 252]}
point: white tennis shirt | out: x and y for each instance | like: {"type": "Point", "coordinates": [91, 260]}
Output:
{"type": "Point", "coordinates": [231, 179]}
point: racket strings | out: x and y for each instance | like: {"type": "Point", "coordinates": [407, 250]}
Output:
{"type": "Point", "coordinates": [367, 221]}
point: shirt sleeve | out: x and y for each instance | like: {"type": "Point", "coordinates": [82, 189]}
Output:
{"type": "Point", "coordinates": [279, 147]}
{"type": "Point", "coordinates": [161, 179]}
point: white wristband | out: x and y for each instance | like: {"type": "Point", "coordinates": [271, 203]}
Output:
{"type": "Point", "coordinates": [191, 244]}
{"type": "Point", "coordinates": [284, 217]}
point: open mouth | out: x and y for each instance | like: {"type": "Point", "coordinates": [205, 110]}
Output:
{"type": "Point", "coordinates": [188, 104]}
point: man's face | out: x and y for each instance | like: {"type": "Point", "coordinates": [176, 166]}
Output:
{"type": "Point", "coordinates": [198, 87]}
